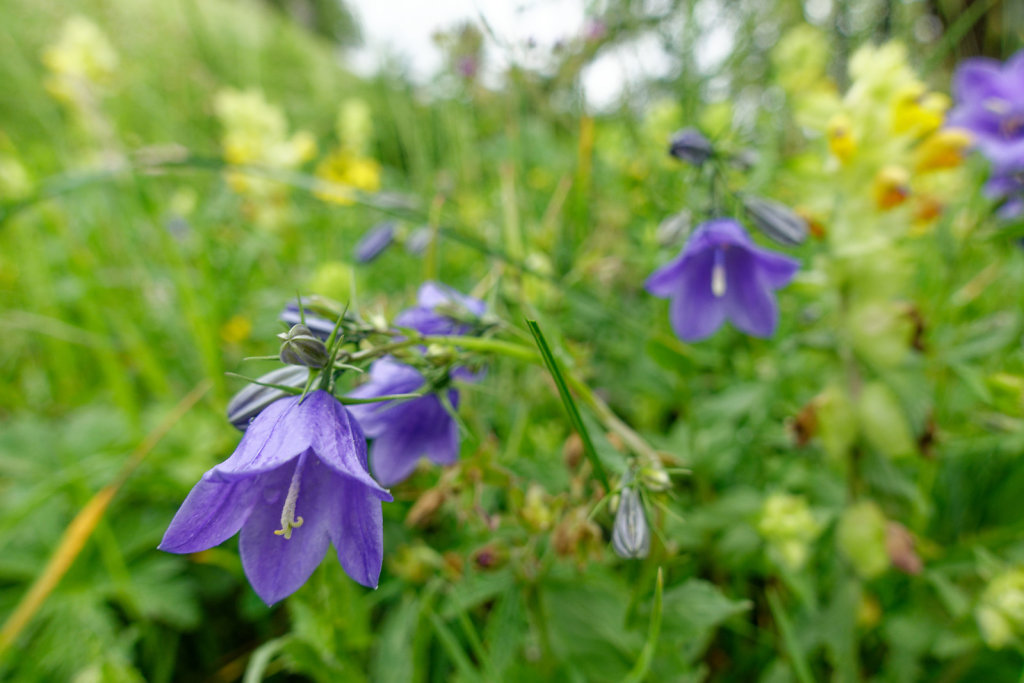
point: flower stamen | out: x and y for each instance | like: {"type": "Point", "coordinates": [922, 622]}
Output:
{"type": "Point", "coordinates": [288, 519]}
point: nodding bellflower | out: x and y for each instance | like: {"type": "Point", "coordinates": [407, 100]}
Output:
{"type": "Point", "coordinates": [990, 107]}
{"type": "Point", "coordinates": [297, 482]}
{"type": "Point", "coordinates": [719, 274]}
{"type": "Point", "coordinates": [404, 431]}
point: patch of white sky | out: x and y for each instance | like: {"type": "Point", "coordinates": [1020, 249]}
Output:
{"type": "Point", "coordinates": [524, 32]}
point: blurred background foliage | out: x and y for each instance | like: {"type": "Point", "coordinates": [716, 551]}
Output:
{"type": "Point", "coordinates": [132, 269]}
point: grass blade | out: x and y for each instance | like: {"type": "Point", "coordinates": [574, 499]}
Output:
{"type": "Point", "coordinates": [569, 403]}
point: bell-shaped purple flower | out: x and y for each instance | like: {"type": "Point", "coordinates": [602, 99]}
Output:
{"type": "Point", "coordinates": [404, 431]}
{"type": "Point", "coordinates": [990, 106]}
{"type": "Point", "coordinates": [441, 310]}
{"type": "Point", "coordinates": [720, 274]}
{"type": "Point", "coordinates": [297, 482]}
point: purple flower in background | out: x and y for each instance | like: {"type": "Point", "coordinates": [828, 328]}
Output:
{"type": "Point", "coordinates": [990, 106]}
{"type": "Point", "coordinates": [297, 482]}
{"type": "Point", "coordinates": [441, 310]}
{"type": "Point", "coordinates": [375, 241]}
{"type": "Point", "coordinates": [720, 274]}
{"type": "Point", "coordinates": [404, 431]}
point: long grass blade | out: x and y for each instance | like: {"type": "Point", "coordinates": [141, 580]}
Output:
{"type": "Point", "coordinates": [569, 403]}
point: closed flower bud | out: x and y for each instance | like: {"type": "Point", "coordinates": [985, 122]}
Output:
{"type": "Point", "coordinates": [250, 401]}
{"type": "Point", "coordinates": [675, 229]}
{"type": "Point", "coordinates": [301, 347]}
{"type": "Point", "coordinates": [691, 146]}
{"type": "Point", "coordinates": [777, 221]}
{"type": "Point", "coordinates": [418, 240]}
{"type": "Point", "coordinates": [376, 240]}
{"type": "Point", "coordinates": [320, 325]}
{"type": "Point", "coordinates": [631, 537]}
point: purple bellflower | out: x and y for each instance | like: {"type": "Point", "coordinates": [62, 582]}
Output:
{"type": "Point", "coordinates": [404, 431]}
{"type": "Point", "coordinates": [297, 482]}
{"type": "Point", "coordinates": [719, 274]}
{"type": "Point", "coordinates": [990, 107]}
{"type": "Point", "coordinates": [441, 310]}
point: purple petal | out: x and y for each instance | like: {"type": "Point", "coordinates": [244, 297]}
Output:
{"type": "Point", "coordinates": [387, 376]}
{"type": "Point", "coordinates": [394, 457]}
{"type": "Point", "coordinates": [212, 513]}
{"type": "Point", "coordinates": [426, 321]}
{"type": "Point", "coordinates": [977, 79]}
{"type": "Point", "coordinates": [749, 301]}
{"type": "Point", "coordinates": [277, 566]}
{"type": "Point", "coordinates": [356, 527]}
{"type": "Point", "coordinates": [666, 281]}
{"type": "Point", "coordinates": [434, 294]}
{"type": "Point", "coordinates": [342, 447]}
{"type": "Point", "coordinates": [695, 312]}
{"type": "Point", "coordinates": [777, 270]}
{"type": "Point", "coordinates": [278, 435]}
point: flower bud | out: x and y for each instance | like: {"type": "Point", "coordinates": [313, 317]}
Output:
{"type": "Point", "coordinates": [631, 537]}
{"type": "Point", "coordinates": [861, 536]}
{"type": "Point", "coordinates": [777, 221]}
{"type": "Point", "coordinates": [691, 146]}
{"type": "Point", "coordinates": [301, 347]}
{"type": "Point", "coordinates": [250, 401]}
{"type": "Point", "coordinates": [374, 242]}
{"type": "Point", "coordinates": [418, 240]}
{"type": "Point", "coordinates": [675, 229]}
{"type": "Point", "coordinates": [320, 326]}
{"type": "Point", "coordinates": [654, 477]}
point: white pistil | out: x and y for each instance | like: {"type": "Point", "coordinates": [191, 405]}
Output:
{"type": "Point", "coordinates": [288, 519]}
{"type": "Point", "coordinates": [996, 105]}
{"type": "Point", "coordinates": [718, 274]}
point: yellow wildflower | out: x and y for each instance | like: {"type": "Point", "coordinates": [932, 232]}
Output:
{"type": "Point", "coordinates": [256, 134]}
{"type": "Point", "coordinates": [236, 330]}
{"type": "Point", "coordinates": [944, 149]}
{"type": "Point", "coordinates": [840, 137]}
{"type": "Point", "coordinates": [342, 171]}
{"type": "Point", "coordinates": [917, 111]}
{"type": "Point", "coordinates": [891, 187]}
{"type": "Point", "coordinates": [81, 59]}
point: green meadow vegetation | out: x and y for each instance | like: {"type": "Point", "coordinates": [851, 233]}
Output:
{"type": "Point", "coordinates": [826, 490]}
